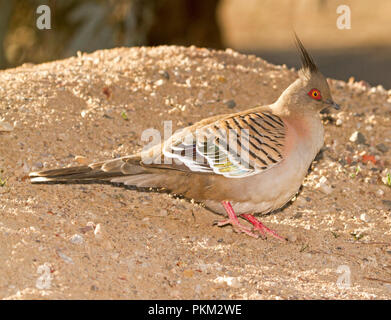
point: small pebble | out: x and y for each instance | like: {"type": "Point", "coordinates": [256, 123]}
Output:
{"type": "Point", "coordinates": [89, 227]}
{"type": "Point", "coordinates": [364, 84]}
{"type": "Point", "coordinates": [98, 231]}
{"type": "Point", "coordinates": [338, 122]}
{"type": "Point", "coordinates": [162, 213]}
{"type": "Point", "coordinates": [64, 257]}
{"type": "Point", "coordinates": [323, 186]}
{"type": "Point", "coordinates": [159, 82]}
{"type": "Point", "coordinates": [292, 238]}
{"type": "Point", "coordinates": [387, 203]}
{"type": "Point", "coordinates": [26, 168]}
{"type": "Point", "coordinates": [77, 239]}
{"type": "Point", "coordinates": [197, 289]}
{"type": "Point", "coordinates": [90, 224]}
{"type": "Point", "coordinates": [188, 273]}
{"type": "Point", "coordinates": [86, 229]}
{"type": "Point", "coordinates": [382, 147]}
{"type": "Point", "coordinates": [165, 74]}
{"type": "Point", "coordinates": [5, 126]}
{"type": "Point", "coordinates": [229, 281]}
{"type": "Point", "coordinates": [230, 104]}
{"type": "Point", "coordinates": [357, 137]}
{"type": "Point", "coordinates": [380, 193]}
{"type": "Point", "coordinates": [364, 217]}
{"type": "Point", "coordinates": [36, 166]}
{"type": "Point", "coordinates": [82, 160]}
{"type": "Point", "coordinates": [175, 293]}
{"type": "Point", "coordinates": [300, 201]}
{"type": "Point", "coordinates": [298, 215]}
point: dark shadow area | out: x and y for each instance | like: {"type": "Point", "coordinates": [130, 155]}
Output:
{"type": "Point", "coordinates": [154, 190]}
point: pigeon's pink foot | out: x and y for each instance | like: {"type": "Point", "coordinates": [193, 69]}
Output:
{"type": "Point", "coordinates": [234, 221]}
{"type": "Point", "coordinates": [258, 225]}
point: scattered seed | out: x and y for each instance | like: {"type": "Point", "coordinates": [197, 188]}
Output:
{"type": "Point", "coordinates": [222, 79]}
{"type": "Point", "coordinates": [357, 236]}
{"type": "Point", "coordinates": [3, 181]}
{"type": "Point", "coordinates": [387, 180]}
{"type": "Point", "coordinates": [124, 116]}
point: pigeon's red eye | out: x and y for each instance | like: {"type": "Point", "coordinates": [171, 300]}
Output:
{"type": "Point", "coordinates": [315, 94]}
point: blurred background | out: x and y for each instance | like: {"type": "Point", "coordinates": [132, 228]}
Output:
{"type": "Point", "coordinates": [260, 27]}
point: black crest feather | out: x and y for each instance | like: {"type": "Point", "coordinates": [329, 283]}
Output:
{"type": "Point", "coordinates": [306, 60]}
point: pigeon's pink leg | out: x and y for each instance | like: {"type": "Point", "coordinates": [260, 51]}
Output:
{"type": "Point", "coordinates": [258, 225]}
{"type": "Point", "coordinates": [234, 221]}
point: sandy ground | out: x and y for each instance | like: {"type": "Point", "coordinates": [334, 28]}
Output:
{"type": "Point", "coordinates": [100, 241]}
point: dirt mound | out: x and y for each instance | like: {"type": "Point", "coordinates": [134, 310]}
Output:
{"type": "Point", "coordinates": [99, 241]}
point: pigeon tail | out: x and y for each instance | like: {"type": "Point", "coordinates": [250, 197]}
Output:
{"type": "Point", "coordinates": [72, 174]}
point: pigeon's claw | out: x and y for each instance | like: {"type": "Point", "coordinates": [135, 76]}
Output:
{"type": "Point", "coordinates": [237, 226]}
{"type": "Point", "coordinates": [258, 225]}
{"type": "Point", "coordinates": [234, 221]}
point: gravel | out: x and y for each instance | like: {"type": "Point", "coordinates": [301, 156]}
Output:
{"type": "Point", "coordinates": [59, 109]}
{"type": "Point", "coordinates": [358, 138]}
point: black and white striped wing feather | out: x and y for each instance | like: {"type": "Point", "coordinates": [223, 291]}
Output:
{"type": "Point", "coordinates": [235, 147]}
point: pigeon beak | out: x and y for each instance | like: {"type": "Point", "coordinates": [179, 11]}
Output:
{"type": "Point", "coordinates": [333, 104]}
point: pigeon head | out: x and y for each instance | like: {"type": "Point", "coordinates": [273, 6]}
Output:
{"type": "Point", "coordinates": [310, 92]}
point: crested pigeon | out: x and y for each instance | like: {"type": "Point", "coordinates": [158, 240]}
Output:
{"type": "Point", "coordinates": [238, 164]}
